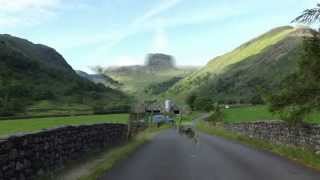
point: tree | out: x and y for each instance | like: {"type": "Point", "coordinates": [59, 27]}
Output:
{"type": "Point", "coordinates": [13, 97]}
{"type": "Point", "coordinates": [309, 16]}
{"type": "Point", "coordinates": [190, 100]}
{"type": "Point", "coordinates": [216, 115]}
{"type": "Point", "coordinates": [300, 92]}
{"type": "Point", "coordinates": [203, 104]}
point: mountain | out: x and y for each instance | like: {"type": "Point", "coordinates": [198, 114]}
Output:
{"type": "Point", "coordinates": [237, 76]}
{"type": "Point", "coordinates": [31, 73]}
{"type": "Point", "coordinates": [37, 52]}
{"type": "Point", "coordinates": [159, 68]}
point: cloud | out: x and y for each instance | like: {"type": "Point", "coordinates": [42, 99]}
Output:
{"type": "Point", "coordinates": [126, 61]}
{"type": "Point", "coordinates": [163, 6]}
{"type": "Point", "coordinates": [24, 5]}
{"type": "Point", "coordinates": [160, 38]}
{"type": "Point", "coordinates": [137, 25]}
{"type": "Point", "coordinates": [26, 12]}
{"type": "Point", "coordinates": [156, 17]}
{"type": "Point", "coordinates": [161, 41]}
{"type": "Point", "coordinates": [158, 21]}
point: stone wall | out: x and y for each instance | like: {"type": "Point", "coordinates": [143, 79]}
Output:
{"type": "Point", "coordinates": [26, 156]}
{"type": "Point", "coordinates": [307, 136]}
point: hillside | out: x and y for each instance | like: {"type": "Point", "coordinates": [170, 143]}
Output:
{"type": "Point", "coordinates": [32, 73]}
{"type": "Point", "coordinates": [136, 80]}
{"type": "Point", "coordinates": [99, 78]}
{"type": "Point", "coordinates": [40, 53]}
{"type": "Point", "coordinates": [238, 75]}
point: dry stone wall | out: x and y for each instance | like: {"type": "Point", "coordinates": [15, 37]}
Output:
{"type": "Point", "coordinates": [307, 136]}
{"type": "Point", "coordinates": [26, 156]}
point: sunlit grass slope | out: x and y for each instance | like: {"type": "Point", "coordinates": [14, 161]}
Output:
{"type": "Point", "coordinates": [220, 64]}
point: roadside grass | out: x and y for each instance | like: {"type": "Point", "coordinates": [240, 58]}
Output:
{"type": "Point", "coordinates": [97, 165]}
{"type": "Point", "coordinates": [9, 127]}
{"type": "Point", "coordinates": [302, 156]}
{"type": "Point", "coordinates": [191, 116]}
{"type": "Point", "coordinates": [259, 113]}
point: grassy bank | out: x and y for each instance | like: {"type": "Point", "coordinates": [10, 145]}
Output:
{"type": "Point", "coordinates": [8, 127]}
{"type": "Point", "coordinates": [256, 113]}
{"type": "Point", "coordinates": [299, 155]}
{"type": "Point", "coordinates": [97, 165]}
{"type": "Point", "coordinates": [247, 114]}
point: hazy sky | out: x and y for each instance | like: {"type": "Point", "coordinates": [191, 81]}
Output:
{"type": "Point", "coordinates": [122, 32]}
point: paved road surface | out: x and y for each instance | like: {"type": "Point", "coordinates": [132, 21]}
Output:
{"type": "Point", "coordinates": [171, 156]}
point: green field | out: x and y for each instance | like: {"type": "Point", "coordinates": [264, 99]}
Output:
{"type": "Point", "coordinates": [258, 113]}
{"type": "Point", "coordinates": [51, 108]}
{"type": "Point", "coordinates": [8, 127]}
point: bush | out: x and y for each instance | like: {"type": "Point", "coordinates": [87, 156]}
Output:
{"type": "Point", "coordinates": [190, 101]}
{"type": "Point", "coordinates": [13, 97]}
{"type": "Point", "coordinates": [216, 115]}
{"type": "Point", "coordinates": [203, 104]}
{"type": "Point", "coordinates": [256, 100]}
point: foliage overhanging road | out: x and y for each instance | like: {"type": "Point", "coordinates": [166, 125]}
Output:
{"type": "Point", "coordinates": [171, 156]}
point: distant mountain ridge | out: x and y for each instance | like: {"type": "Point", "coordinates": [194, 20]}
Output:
{"type": "Point", "coordinates": [154, 62]}
{"type": "Point", "coordinates": [158, 68]}
{"type": "Point", "coordinates": [237, 75]}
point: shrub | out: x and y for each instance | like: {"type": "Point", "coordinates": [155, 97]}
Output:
{"type": "Point", "coordinates": [203, 104]}
{"type": "Point", "coordinates": [216, 115]}
{"type": "Point", "coordinates": [190, 100]}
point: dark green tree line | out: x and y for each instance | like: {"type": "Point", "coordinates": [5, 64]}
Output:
{"type": "Point", "coordinates": [300, 92]}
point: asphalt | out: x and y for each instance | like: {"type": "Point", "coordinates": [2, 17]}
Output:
{"type": "Point", "coordinates": [171, 156]}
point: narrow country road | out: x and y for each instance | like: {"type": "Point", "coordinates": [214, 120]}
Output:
{"type": "Point", "coordinates": [171, 156]}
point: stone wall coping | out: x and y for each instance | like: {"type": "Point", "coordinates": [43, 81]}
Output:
{"type": "Point", "coordinates": [57, 128]}
{"type": "Point", "coordinates": [259, 122]}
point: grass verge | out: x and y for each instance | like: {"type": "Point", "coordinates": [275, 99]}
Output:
{"type": "Point", "coordinates": [258, 113]}
{"type": "Point", "coordinates": [95, 166]}
{"type": "Point", "coordinates": [302, 156]}
{"type": "Point", "coordinates": [188, 118]}
{"type": "Point", "coordinates": [8, 127]}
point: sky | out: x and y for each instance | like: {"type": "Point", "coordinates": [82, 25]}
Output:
{"type": "Point", "coordinates": [122, 32]}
